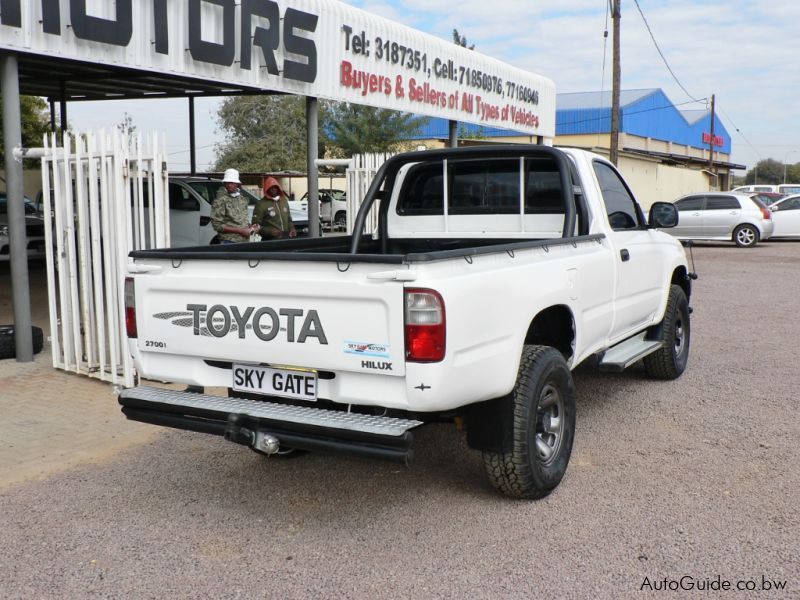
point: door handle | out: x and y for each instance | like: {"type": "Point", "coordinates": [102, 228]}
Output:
{"type": "Point", "coordinates": [204, 221]}
{"type": "Point", "coordinates": [624, 255]}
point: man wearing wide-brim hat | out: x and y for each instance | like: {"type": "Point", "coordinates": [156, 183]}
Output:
{"type": "Point", "coordinates": [229, 216]}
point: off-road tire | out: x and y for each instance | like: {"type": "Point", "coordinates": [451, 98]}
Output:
{"type": "Point", "coordinates": [8, 348]}
{"type": "Point", "coordinates": [669, 362]}
{"type": "Point", "coordinates": [745, 236]}
{"type": "Point", "coordinates": [543, 419]}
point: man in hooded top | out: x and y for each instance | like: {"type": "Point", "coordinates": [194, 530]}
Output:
{"type": "Point", "coordinates": [272, 213]}
{"type": "Point", "coordinates": [229, 216]}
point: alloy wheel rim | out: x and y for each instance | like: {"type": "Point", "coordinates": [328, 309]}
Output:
{"type": "Point", "coordinates": [746, 236]}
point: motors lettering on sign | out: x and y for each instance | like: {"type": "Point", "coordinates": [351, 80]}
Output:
{"type": "Point", "coordinates": [259, 25]}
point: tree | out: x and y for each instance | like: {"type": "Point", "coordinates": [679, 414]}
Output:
{"type": "Point", "coordinates": [127, 126]}
{"type": "Point", "coordinates": [792, 173]}
{"type": "Point", "coordinates": [461, 40]}
{"type": "Point", "coordinates": [356, 129]}
{"type": "Point", "coordinates": [769, 171]}
{"type": "Point", "coordinates": [265, 133]}
{"type": "Point", "coordinates": [34, 121]}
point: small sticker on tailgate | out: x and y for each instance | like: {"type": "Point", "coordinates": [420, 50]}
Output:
{"type": "Point", "coordinates": [297, 384]}
{"type": "Point", "coordinates": [367, 349]}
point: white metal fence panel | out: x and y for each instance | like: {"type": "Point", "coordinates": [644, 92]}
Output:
{"type": "Point", "coordinates": [360, 173]}
{"type": "Point", "coordinates": [104, 195]}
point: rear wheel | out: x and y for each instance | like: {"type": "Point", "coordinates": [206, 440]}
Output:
{"type": "Point", "coordinates": [340, 221]}
{"type": "Point", "coordinates": [543, 427]}
{"type": "Point", "coordinates": [745, 236]}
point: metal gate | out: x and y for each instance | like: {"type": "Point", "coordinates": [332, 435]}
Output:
{"type": "Point", "coordinates": [360, 173]}
{"type": "Point", "coordinates": [104, 195]}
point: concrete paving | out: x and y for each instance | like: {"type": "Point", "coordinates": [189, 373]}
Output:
{"type": "Point", "coordinates": [51, 420]}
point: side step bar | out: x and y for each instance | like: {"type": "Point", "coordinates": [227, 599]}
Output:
{"type": "Point", "coordinates": [623, 355]}
{"type": "Point", "coordinates": [251, 422]}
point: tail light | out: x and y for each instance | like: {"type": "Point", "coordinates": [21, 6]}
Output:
{"type": "Point", "coordinates": [766, 212]}
{"type": "Point", "coordinates": [130, 309]}
{"type": "Point", "coordinates": [425, 325]}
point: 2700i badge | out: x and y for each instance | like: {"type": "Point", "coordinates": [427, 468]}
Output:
{"type": "Point", "coordinates": [286, 383]}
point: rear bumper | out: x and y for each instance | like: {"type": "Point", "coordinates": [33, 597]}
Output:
{"type": "Point", "coordinates": [244, 421]}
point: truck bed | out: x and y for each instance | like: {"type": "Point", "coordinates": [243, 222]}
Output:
{"type": "Point", "coordinates": [337, 249]}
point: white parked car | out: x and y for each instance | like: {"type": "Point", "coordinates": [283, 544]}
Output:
{"type": "Point", "coordinates": [190, 200]}
{"type": "Point", "coordinates": [786, 216]}
{"type": "Point", "coordinates": [332, 207]}
{"type": "Point", "coordinates": [727, 216]}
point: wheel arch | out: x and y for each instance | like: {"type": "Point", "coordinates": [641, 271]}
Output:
{"type": "Point", "coordinates": [553, 326]}
{"type": "Point", "coordinates": [680, 277]}
{"type": "Point", "coordinates": [489, 422]}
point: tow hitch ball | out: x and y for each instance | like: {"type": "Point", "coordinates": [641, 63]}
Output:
{"type": "Point", "coordinates": [236, 432]}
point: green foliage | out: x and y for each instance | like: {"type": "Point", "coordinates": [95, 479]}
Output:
{"type": "Point", "coordinates": [35, 123]}
{"type": "Point", "coordinates": [768, 171]}
{"type": "Point", "coordinates": [127, 125]}
{"type": "Point", "coordinates": [265, 133]}
{"type": "Point", "coordinates": [461, 40]}
{"type": "Point", "coordinates": [792, 173]}
{"type": "Point", "coordinates": [476, 134]}
{"type": "Point", "coordinates": [268, 133]}
{"type": "Point", "coordinates": [356, 129]}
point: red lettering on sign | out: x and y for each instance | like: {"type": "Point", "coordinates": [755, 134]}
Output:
{"type": "Point", "coordinates": [368, 83]}
{"type": "Point", "coordinates": [718, 141]}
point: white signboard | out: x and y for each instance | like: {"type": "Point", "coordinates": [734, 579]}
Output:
{"type": "Point", "coordinates": [320, 48]}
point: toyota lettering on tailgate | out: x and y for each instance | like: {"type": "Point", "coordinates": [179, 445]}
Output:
{"type": "Point", "coordinates": [265, 322]}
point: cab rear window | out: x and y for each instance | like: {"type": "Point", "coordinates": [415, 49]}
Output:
{"type": "Point", "coordinates": [476, 187]}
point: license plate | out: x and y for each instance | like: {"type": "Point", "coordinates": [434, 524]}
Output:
{"type": "Point", "coordinates": [286, 383]}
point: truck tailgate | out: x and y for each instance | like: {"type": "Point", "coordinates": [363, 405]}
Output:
{"type": "Point", "coordinates": [296, 314]}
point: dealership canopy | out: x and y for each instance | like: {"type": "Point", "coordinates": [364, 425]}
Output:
{"type": "Point", "coordinates": [94, 49]}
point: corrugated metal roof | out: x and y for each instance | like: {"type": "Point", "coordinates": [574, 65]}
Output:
{"type": "Point", "coordinates": [647, 113]}
{"type": "Point", "coordinates": [692, 116]}
{"type": "Point", "coordinates": [599, 100]}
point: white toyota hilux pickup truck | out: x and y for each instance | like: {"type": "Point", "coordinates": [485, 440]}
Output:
{"type": "Point", "coordinates": [491, 273]}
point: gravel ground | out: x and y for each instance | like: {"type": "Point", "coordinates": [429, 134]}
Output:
{"type": "Point", "coordinates": [696, 477]}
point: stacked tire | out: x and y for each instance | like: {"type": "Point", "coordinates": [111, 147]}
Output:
{"type": "Point", "coordinates": [8, 348]}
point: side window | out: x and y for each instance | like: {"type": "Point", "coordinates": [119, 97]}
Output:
{"type": "Point", "coordinates": [623, 212]}
{"type": "Point", "coordinates": [181, 199]}
{"type": "Point", "coordinates": [722, 203]}
{"type": "Point", "coordinates": [423, 194]}
{"type": "Point", "coordinates": [689, 204]}
{"type": "Point", "coordinates": [482, 187]}
{"type": "Point", "coordinates": [793, 204]}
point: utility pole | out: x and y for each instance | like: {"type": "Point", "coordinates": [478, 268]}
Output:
{"type": "Point", "coordinates": [615, 83]}
{"type": "Point", "coordinates": [711, 141]}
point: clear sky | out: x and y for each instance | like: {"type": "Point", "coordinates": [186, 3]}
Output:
{"type": "Point", "coordinates": [745, 52]}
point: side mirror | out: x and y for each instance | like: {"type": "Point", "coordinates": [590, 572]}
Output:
{"type": "Point", "coordinates": [663, 215]}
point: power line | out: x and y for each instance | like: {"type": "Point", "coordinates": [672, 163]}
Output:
{"type": "Point", "coordinates": [661, 54]}
{"type": "Point", "coordinates": [636, 112]}
{"type": "Point", "coordinates": [727, 116]}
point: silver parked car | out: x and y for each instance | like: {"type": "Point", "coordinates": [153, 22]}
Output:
{"type": "Point", "coordinates": [729, 216]}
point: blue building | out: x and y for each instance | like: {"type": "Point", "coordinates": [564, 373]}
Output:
{"type": "Point", "coordinates": [653, 131]}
